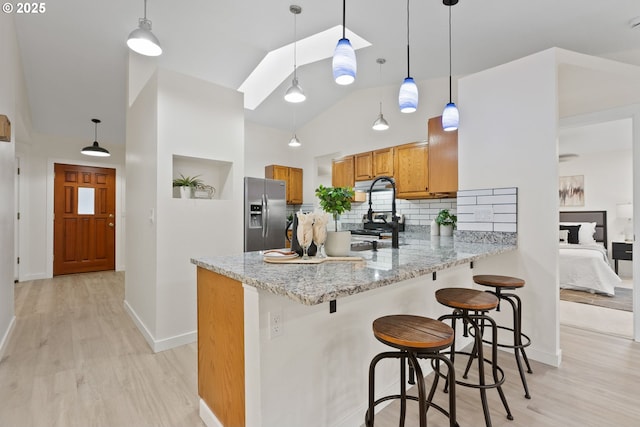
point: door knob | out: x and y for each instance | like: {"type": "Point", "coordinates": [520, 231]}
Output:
{"type": "Point", "coordinates": [110, 215]}
{"type": "Point", "coordinates": [110, 224]}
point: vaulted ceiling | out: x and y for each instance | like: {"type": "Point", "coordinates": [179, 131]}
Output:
{"type": "Point", "coordinates": [75, 57]}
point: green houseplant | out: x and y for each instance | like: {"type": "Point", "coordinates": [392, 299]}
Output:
{"type": "Point", "coordinates": [336, 201]}
{"type": "Point", "coordinates": [447, 222]}
{"type": "Point", "coordinates": [187, 184]}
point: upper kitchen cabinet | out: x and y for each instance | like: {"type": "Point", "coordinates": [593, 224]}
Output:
{"type": "Point", "coordinates": [443, 159]}
{"type": "Point", "coordinates": [411, 167]}
{"type": "Point", "coordinates": [342, 172]}
{"type": "Point", "coordinates": [373, 164]}
{"type": "Point", "coordinates": [293, 179]}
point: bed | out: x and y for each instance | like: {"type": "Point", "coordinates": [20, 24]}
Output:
{"type": "Point", "coordinates": [584, 264]}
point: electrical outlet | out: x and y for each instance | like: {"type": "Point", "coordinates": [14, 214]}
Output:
{"type": "Point", "coordinates": [275, 324]}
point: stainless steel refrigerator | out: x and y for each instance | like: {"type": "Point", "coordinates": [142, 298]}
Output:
{"type": "Point", "coordinates": [265, 214]}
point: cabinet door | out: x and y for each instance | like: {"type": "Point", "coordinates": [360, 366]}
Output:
{"type": "Point", "coordinates": [295, 186]}
{"type": "Point", "coordinates": [443, 158]}
{"type": "Point", "coordinates": [279, 172]}
{"type": "Point", "coordinates": [342, 173]}
{"type": "Point", "coordinates": [363, 166]}
{"type": "Point", "coordinates": [411, 162]}
{"type": "Point", "coordinates": [383, 162]}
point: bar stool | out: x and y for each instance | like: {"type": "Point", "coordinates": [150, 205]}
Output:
{"type": "Point", "coordinates": [410, 335]}
{"type": "Point", "coordinates": [471, 306]}
{"type": "Point", "coordinates": [507, 283]}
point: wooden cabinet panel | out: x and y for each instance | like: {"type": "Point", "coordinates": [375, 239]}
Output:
{"type": "Point", "coordinates": [342, 172]}
{"type": "Point", "coordinates": [411, 170]}
{"type": "Point", "coordinates": [363, 166]}
{"type": "Point", "coordinates": [293, 179]}
{"type": "Point", "coordinates": [443, 158]}
{"type": "Point", "coordinates": [383, 162]}
{"type": "Point", "coordinates": [295, 186]}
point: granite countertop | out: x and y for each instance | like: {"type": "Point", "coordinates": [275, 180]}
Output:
{"type": "Point", "coordinates": [312, 284]}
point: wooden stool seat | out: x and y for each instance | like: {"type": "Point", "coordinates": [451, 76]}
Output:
{"type": "Point", "coordinates": [498, 281]}
{"type": "Point", "coordinates": [413, 332]}
{"type": "Point", "coordinates": [467, 299]}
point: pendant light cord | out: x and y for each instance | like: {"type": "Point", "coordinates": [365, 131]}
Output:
{"type": "Point", "coordinates": [408, 61]}
{"type": "Point", "coordinates": [295, 61]}
{"type": "Point", "coordinates": [450, 53]}
{"type": "Point", "coordinates": [380, 61]}
{"type": "Point", "coordinates": [145, 10]}
{"type": "Point", "coordinates": [344, 13]}
{"type": "Point", "coordinates": [96, 131]}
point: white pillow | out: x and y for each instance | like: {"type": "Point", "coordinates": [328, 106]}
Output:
{"type": "Point", "coordinates": [564, 236]}
{"type": "Point", "coordinates": [586, 232]}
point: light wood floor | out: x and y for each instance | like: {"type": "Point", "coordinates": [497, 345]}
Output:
{"type": "Point", "coordinates": [76, 359]}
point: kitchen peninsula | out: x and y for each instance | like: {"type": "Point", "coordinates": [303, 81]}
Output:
{"type": "Point", "coordinates": [271, 353]}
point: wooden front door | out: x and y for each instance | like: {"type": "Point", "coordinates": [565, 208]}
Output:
{"type": "Point", "coordinates": [84, 219]}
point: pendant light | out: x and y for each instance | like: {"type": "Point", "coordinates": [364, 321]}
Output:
{"type": "Point", "coordinates": [408, 96]}
{"type": "Point", "coordinates": [344, 57]}
{"type": "Point", "coordinates": [450, 115]}
{"type": "Point", "coordinates": [380, 123]}
{"type": "Point", "coordinates": [294, 141]}
{"type": "Point", "coordinates": [295, 93]}
{"type": "Point", "coordinates": [142, 40]}
{"type": "Point", "coordinates": [95, 150]}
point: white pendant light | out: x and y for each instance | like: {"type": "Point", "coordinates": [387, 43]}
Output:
{"type": "Point", "coordinates": [408, 96]}
{"type": "Point", "coordinates": [344, 57]}
{"type": "Point", "coordinates": [450, 115]}
{"type": "Point", "coordinates": [142, 40]}
{"type": "Point", "coordinates": [95, 149]}
{"type": "Point", "coordinates": [295, 93]}
{"type": "Point", "coordinates": [294, 141]}
{"type": "Point", "coordinates": [380, 123]}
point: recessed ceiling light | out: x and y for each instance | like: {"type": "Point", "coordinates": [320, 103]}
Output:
{"type": "Point", "coordinates": [635, 22]}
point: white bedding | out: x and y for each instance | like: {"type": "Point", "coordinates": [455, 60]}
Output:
{"type": "Point", "coordinates": [586, 267]}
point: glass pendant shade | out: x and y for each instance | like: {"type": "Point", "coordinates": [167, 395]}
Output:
{"type": "Point", "coordinates": [380, 123]}
{"type": "Point", "coordinates": [408, 96]}
{"type": "Point", "coordinates": [344, 63]}
{"type": "Point", "coordinates": [450, 117]}
{"type": "Point", "coordinates": [295, 93]}
{"type": "Point", "coordinates": [142, 41]}
{"type": "Point", "coordinates": [294, 142]}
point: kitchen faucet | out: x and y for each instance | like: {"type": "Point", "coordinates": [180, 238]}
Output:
{"type": "Point", "coordinates": [394, 218]}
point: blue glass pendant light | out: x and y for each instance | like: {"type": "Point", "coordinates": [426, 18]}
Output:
{"type": "Point", "coordinates": [450, 115]}
{"type": "Point", "coordinates": [408, 96]}
{"type": "Point", "coordinates": [344, 57]}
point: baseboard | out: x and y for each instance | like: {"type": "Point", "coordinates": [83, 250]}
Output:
{"type": "Point", "coordinates": [544, 357]}
{"type": "Point", "coordinates": [30, 277]}
{"type": "Point", "coordinates": [7, 335]}
{"type": "Point", "coordinates": [163, 344]}
{"type": "Point", "coordinates": [208, 417]}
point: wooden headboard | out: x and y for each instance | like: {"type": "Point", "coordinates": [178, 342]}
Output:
{"type": "Point", "coordinates": [599, 217]}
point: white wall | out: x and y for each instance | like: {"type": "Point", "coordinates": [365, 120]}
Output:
{"type": "Point", "coordinates": [608, 181]}
{"type": "Point", "coordinates": [267, 146]}
{"type": "Point", "coordinates": [507, 137]}
{"type": "Point", "coordinates": [175, 114]}
{"type": "Point", "coordinates": [11, 79]}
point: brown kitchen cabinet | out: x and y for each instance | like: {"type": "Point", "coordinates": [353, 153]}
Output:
{"type": "Point", "coordinates": [373, 164]}
{"type": "Point", "coordinates": [293, 179]}
{"type": "Point", "coordinates": [443, 159]}
{"type": "Point", "coordinates": [363, 166]}
{"type": "Point", "coordinates": [411, 170]}
{"type": "Point", "coordinates": [342, 172]}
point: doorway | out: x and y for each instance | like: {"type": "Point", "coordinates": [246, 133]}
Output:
{"type": "Point", "coordinates": [84, 219]}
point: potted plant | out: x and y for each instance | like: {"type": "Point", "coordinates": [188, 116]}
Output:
{"type": "Point", "coordinates": [187, 184]}
{"type": "Point", "coordinates": [447, 222]}
{"type": "Point", "coordinates": [335, 201]}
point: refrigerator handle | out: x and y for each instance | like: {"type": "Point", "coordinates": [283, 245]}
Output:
{"type": "Point", "coordinates": [265, 215]}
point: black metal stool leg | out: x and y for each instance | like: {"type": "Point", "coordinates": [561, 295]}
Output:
{"type": "Point", "coordinates": [517, 339]}
{"type": "Point", "coordinates": [403, 391]}
{"type": "Point", "coordinates": [494, 364]}
{"type": "Point", "coordinates": [483, 390]}
{"type": "Point", "coordinates": [422, 403]}
{"type": "Point", "coordinates": [524, 355]}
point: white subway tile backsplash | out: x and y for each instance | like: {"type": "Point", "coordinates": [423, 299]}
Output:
{"type": "Point", "coordinates": [512, 228]}
{"type": "Point", "coordinates": [466, 193]}
{"type": "Point", "coordinates": [466, 217]}
{"type": "Point", "coordinates": [497, 200]}
{"type": "Point", "coordinates": [509, 190]}
{"type": "Point", "coordinates": [505, 218]}
{"type": "Point", "coordinates": [467, 200]}
{"type": "Point", "coordinates": [510, 208]}
{"type": "Point", "coordinates": [463, 209]}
